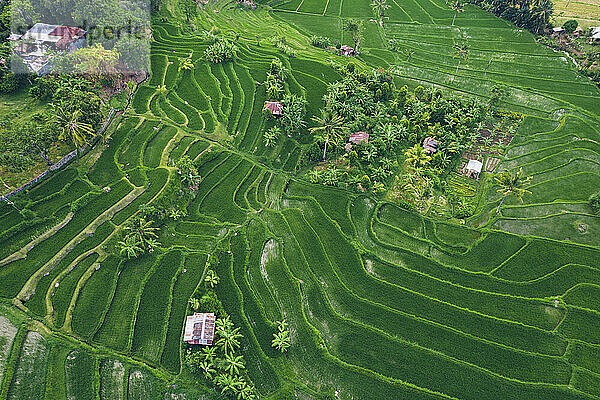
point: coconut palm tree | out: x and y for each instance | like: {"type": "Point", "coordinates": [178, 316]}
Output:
{"type": "Point", "coordinates": [162, 90]}
{"type": "Point", "coordinates": [462, 52]}
{"type": "Point", "coordinates": [409, 53]}
{"type": "Point", "coordinates": [207, 368]}
{"type": "Point", "coordinates": [379, 6]}
{"type": "Point", "coordinates": [229, 340]}
{"type": "Point", "coordinates": [186, 64]}
{"type": "Point", "coordinates": [331, 126]}
{"type": "Point", "coordinates": [458, 7]}
{"type": "Point", "coordinates": [233, 364]}
{"type": "Point", "coordinates": [541, 13]}
{"type": "Point", "coordinates": [316, 175]}
{"type": "Point", "coordinates": [142, 229]}
{"type": "Point", "coordinates": [194, 303]}
{"type": "Point", "coordinates": [511, 183]}
{"type": "Point", "coordinates": [245, 391]}
{"type": "Point", "coordinates": [354, 28]}
{"type": "Point", "coordinates": [227, 383]}
{"type": "Point", "coordinates": [211, 278]}
{"type": "Point", "coordinates": [371, 153]}
{"type": "Point", "coordinates": [209, 353]}
{"type": "Point", "coordinates": [130, 247]}
{"type": "Point", "coordinates": [281, 340]}
{"type": "Point", "coordinates": [224, 323]}
{"type": "Point", "coordinates": [281, 325]}
{"type": "Point", "coordinates": [71, 128]}
{"type": "Point", "coordinates": [416, 156]}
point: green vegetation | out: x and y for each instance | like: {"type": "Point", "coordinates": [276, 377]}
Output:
{"type": "Point", "coordinates": [370, 271]}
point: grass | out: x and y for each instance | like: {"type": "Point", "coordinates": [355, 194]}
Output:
{"type": "Point", "coordinates": [79, 368]}
{"type": "Point", "coordinates": [153, 310]}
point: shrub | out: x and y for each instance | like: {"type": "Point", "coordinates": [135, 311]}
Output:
{"type": "Point", "coordinates": [322, 42]}
{"type": "Point", "coordinates": [570, 26]}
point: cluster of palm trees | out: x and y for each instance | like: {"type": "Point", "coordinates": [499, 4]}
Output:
{"type": "Point", "coordinates": [222, 50]}
{"type": "Point", "coordinates": [392, 155]}
{"type": "Point", "coordinates": [140, 238]}
{"type": "Point", "coordinates": [221, 364]}
{"type": "Point", "coordinates": [530, 14]}
{"type": "Point", "coordinates": [275, 80]}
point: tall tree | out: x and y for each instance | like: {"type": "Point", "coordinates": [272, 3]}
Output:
{"type": "Point", "coordinates": [330, 126]}
{"type": "Point", "coordinates": [541, 11]}
{"type": "Point", "coordinates": [71, 128]}
{"type": "Point", "coordinates": [458, 7]}
{"type": "Point", "coordinates": [379, 6]}
{"type": "Point", "coordinates": [416, 156]}
{"type": "Point", "coordinates": [354, 28]}
{"type": "Point", "coordinates": [188, 8]}
{"type": "Point", "coordinates": [511, 184]}
{"type": "Point", "coordinates": [462, 52]}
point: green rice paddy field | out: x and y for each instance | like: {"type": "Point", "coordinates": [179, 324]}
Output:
{"type": "Point", "coordinates": [382, 303]}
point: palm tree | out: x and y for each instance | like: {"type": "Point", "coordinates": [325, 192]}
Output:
{"type": "Point", "coordinates": [143, 230]}
{"type": "Point", "coordinates": [271, 135]}
{"type": "Point", "coordinates": [281, 325]}
{"type": "Point", "coordinates": [233, 364]}
{"type": "Point", "coordinates": [354, 27]}
{"type": "Point", "coordinates": [541, 13]}
{"type": "Point", "coordinates": [511, 184]}
{"type": "Point", "coordinates": [130, 247]}
{"type": "Point", "coordinates": [461, 51]}
{"type": "Point", "coordinates": [71, 128]}
{"type": "Point", "coordinates": [331, 126]}
{"type": "Point", "coordinates": [162, 90]}
{"type": "Point", "coordinates": [209, 354]}
{"type": "Point", "coordinates": [316, 175]}
{"type": "Point", "coordinates": [227, 383]}
{"type": "Point", "coordinates": [409, 53]}
{"type": "Point", "coordinates": [281, 340]}
{"type": "Point", "coordinates": [186, 64]}
{"type": "Point", "coordinates": [246, 392]}
{"type": "Point", "coordinates": [229, 339]}
{"type": "Point", "coordinates": [371, 153]}
{"type": "Point", "coordinates": [458, 7]}
{"type": "Point", "coordinates": [211, 278]}
{"type": "Point", "coordinates": [224, 323]}
{"type": "Point", "coordinates": [416, 156]}
{"type": "Point", "coordinates": [379, 6]}
{"type": "Point", "coordinates": [194, 303]}
{"type": "Point", "coordinates": [207, 368]}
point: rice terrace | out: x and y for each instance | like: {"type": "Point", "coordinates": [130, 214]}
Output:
{"type": "Point", "coordinates": [300, 199]}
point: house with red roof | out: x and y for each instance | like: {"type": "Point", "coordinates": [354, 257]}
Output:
{"type": "Point", "coordinates": [359, 137]}
{"type": "Point", "coordinates": [348, 51]}
{"type": "Point", "coordinates": [274, 107]}
{"type": "Point", "coordinates": [430, 145]}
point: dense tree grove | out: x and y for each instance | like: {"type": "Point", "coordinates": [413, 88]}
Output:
{"type": "Point", "coordinates": [371, 136]}
{"type": "Point", "coordinates": [530, 14]}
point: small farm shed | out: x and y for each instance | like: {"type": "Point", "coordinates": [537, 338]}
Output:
{"type": "Point", "coordinates": [359, 137]}
{"type": "Point", "coordinates": [558, 29]}
{"type": "Point", "coordinates": [275, 107]}
{"type": "Point", "coordinates": [347, 51]}
{"type": "Point", "coordinates": [200, 329]}
{"type": "Point", "coordinates": [473, 169]}
{"type": "Point", "coordinates": [595, 34]}
{"type": "Point", "coordinates": [430, 145]}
